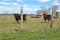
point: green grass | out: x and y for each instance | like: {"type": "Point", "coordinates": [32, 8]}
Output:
{"type": "Point", "coordinates": [33, 29]}
{"type": "Point", "coordinates": [51, 34]}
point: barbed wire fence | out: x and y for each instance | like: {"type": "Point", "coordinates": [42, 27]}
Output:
{"type": "Point", "coordinates": [33, 22]}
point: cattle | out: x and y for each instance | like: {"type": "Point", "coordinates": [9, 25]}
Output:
{"type": "Point", "coordinates": [46, 17]}
{"type": "Point", "coordinates": [18, 17]}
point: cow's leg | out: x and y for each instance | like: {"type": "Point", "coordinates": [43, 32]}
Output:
{"type": "Point", "coordinates": [44, 19]}
{"type": "Point", "coordinates": [24, 19]}
{"type": "Point", "coordinates": [17, 21]}
{"type": "Point", "coordinates": [48, 19]}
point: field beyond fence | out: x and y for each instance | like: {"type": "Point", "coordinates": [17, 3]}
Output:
{"type": "Point", "coordinates": [8, 23]}
{"type": "Point", "coordinates": [33, 29]}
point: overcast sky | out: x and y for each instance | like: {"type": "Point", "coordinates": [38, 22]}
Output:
{"type": "Point", "coordinates": [29, 6]}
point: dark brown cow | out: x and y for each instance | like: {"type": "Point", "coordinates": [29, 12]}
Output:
{"type": "Point", "coordinates": [47, 17]}
{"type": "Point", "coordinates": [18, 17]}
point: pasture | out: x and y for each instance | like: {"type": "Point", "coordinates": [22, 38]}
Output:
{"type": "Point", "coordinates": [8, 23]}
{"type": "Point", "coordinates": [33, 29]}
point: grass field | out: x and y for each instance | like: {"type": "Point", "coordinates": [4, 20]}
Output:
{"type": "Point", "coordinates": [51, 34]}
{"type": "Point", "coordinates": [33, 29]}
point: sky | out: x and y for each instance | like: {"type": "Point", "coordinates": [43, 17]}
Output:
{"type": "Point", "coordinates": [29, 6]}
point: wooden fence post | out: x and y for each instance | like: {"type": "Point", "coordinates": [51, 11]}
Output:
{"type": "Point", "coordinates": [54, 8]}
{"type": "Point", "coordinates": [21, 27]}
{"type": "Point", "coordinates": [51, 24]}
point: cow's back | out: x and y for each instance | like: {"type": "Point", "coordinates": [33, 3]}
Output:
{"type": "Point", "coordinates": [17, 16]}
{"type": "Point", "coordinates": [47, 17]}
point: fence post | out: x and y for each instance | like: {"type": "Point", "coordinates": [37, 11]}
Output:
{"type": "Point", "coordinates": [21, 26]}
{"type": "Point", "coordinates": [54, 8]}
{"type": "Point", "coordinates": [51, 19]}
{"type": "Point", "coordinates": [51, 24]}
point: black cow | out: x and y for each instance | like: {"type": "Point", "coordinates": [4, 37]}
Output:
{"type": "Point", "coordinates": [46, 17]}
{"type": "Point", "coordinates": [18, 17]}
